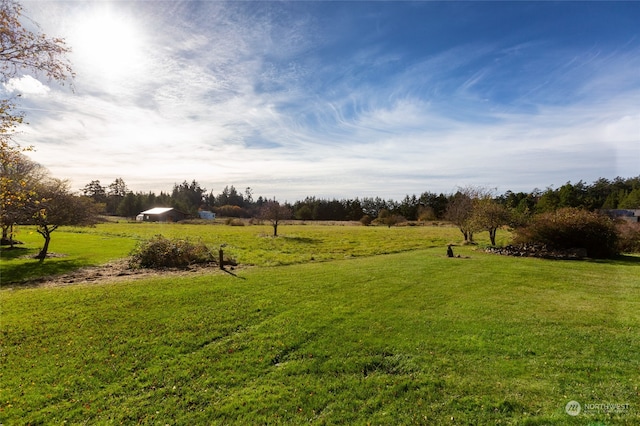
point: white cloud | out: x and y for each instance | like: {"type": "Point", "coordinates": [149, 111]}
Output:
{"type": "Point", "coordinates": [26, 86]}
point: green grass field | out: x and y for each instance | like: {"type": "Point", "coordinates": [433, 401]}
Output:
{"type": "Point", "coordinates": [334, 325]}
{"type": "Point", "coordinates": [249, 245]}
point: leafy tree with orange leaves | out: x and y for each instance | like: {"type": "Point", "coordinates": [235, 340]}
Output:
{"type": "Point", "coordinates": [22, 50]}
{"type": "Point", "coordinates": [19, 176]}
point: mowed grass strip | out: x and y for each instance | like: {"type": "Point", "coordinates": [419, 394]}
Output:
{"type": "Point", "coordinates": [407, 338]}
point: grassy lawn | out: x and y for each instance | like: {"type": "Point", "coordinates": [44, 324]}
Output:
{"type": "Point", "coordinates": [383, 331]}
{"type": "Point", "coordinates": [249, 245]}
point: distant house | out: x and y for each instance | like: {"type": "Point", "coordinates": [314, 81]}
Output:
{"type": "Point", "coordinates": [161, 214]}
{"type": "Point", "coordinates": [207, 215]}
{"type": "Point", "coordinates": [629, 215]}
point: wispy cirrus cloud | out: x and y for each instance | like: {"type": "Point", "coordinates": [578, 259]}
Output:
{"type": "Point", "coordinates": [298, 99]}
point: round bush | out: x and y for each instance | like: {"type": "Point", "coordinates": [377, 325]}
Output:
{"type": "Point", "coordinates": [162, 252]}
{"type": "Point", "coordinates": [570, 228]}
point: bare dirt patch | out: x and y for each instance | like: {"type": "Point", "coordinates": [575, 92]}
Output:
{"type": "Point", "coordinates": [121, 271]}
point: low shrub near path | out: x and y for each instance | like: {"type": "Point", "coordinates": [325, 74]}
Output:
{"type": "Point", "coordinates": [163, 252]}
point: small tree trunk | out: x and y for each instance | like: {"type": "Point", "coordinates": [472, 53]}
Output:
{"type": "Point", "coordinates": [492, 236]}
{"type": "Point", "coordinates": [221, 258]}
{"type": "Point", "coordinates": [275, 229]}
{"type": "Point", "coordinates": [45, 231]}
{"type": "Point", "coordinates": [11, 241]}
{"type": "Point", "coordinates": [43, 253]}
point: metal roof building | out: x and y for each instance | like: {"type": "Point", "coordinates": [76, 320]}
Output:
{"type": "Point", "coordinates": [161, 214]}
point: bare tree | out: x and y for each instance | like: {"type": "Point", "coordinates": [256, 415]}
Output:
{"type": "Point", "coordinates": [459, 212]}
{"type": "Point", "coordinates": [275, 213]}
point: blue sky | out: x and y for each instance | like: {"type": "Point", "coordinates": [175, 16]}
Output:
{"type": "Point", "coordinates": [339, 99]}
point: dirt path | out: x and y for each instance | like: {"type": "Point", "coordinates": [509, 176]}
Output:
{"type": "Point", "coordinates": [114, 272]}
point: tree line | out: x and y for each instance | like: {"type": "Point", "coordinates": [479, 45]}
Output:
{"type": "Point", "coordinates": [28, 195]}
{"type": "Point", "coordinates": [190, 197]}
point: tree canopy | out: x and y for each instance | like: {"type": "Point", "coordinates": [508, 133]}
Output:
{"type": "Point", "coordinates": [57, 206]}
{"type": "Point", "coordinates": [19, 177]}
{"type": "Point", "coordinates": [23, 49]}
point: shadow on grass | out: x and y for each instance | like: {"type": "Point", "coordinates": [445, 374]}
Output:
{"type": "Point", "coordinates": [233, 274]}
{"type": "Point", "coordinates": [622, 260]}
{"type": "Point", "coordinates": [10, 253]}
{"type": "Point", "coordinates": [305, 240]}
{"type": "Point", "coordinates": [26, 273]}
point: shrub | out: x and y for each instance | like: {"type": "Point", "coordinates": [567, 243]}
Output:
{"type": "Point", "coordinates": [569, 228]}
{"type": "Point", "coordinates": [426, 214]}
{"type": "Point", "coordinates": [628, 237]}
{"type": "Point", "coordinates": [304, 213]}
{"type": "Point", "coordinates": [388, 219]}
{"type": "Point", "coordinates": [231, 211]}
{"type": "Point", "coordinates": [161, 252]}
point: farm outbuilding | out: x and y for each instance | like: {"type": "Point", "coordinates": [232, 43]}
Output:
{"type": "Point", "coordinates": [206, 215]}
{"type": "Point", "coordinates": [161, 214]}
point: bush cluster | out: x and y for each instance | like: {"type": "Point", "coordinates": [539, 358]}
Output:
{"type": "Point", "coordinates": [162, 252]}
{"type": "Point", "coordinates": [366, 220]}
{"type": "Point", "coordinates": [629, 237]}
{"type": "Point", "coordinates": [570, 228]}
{"type": "Point", "coordinates": [231, 211]}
